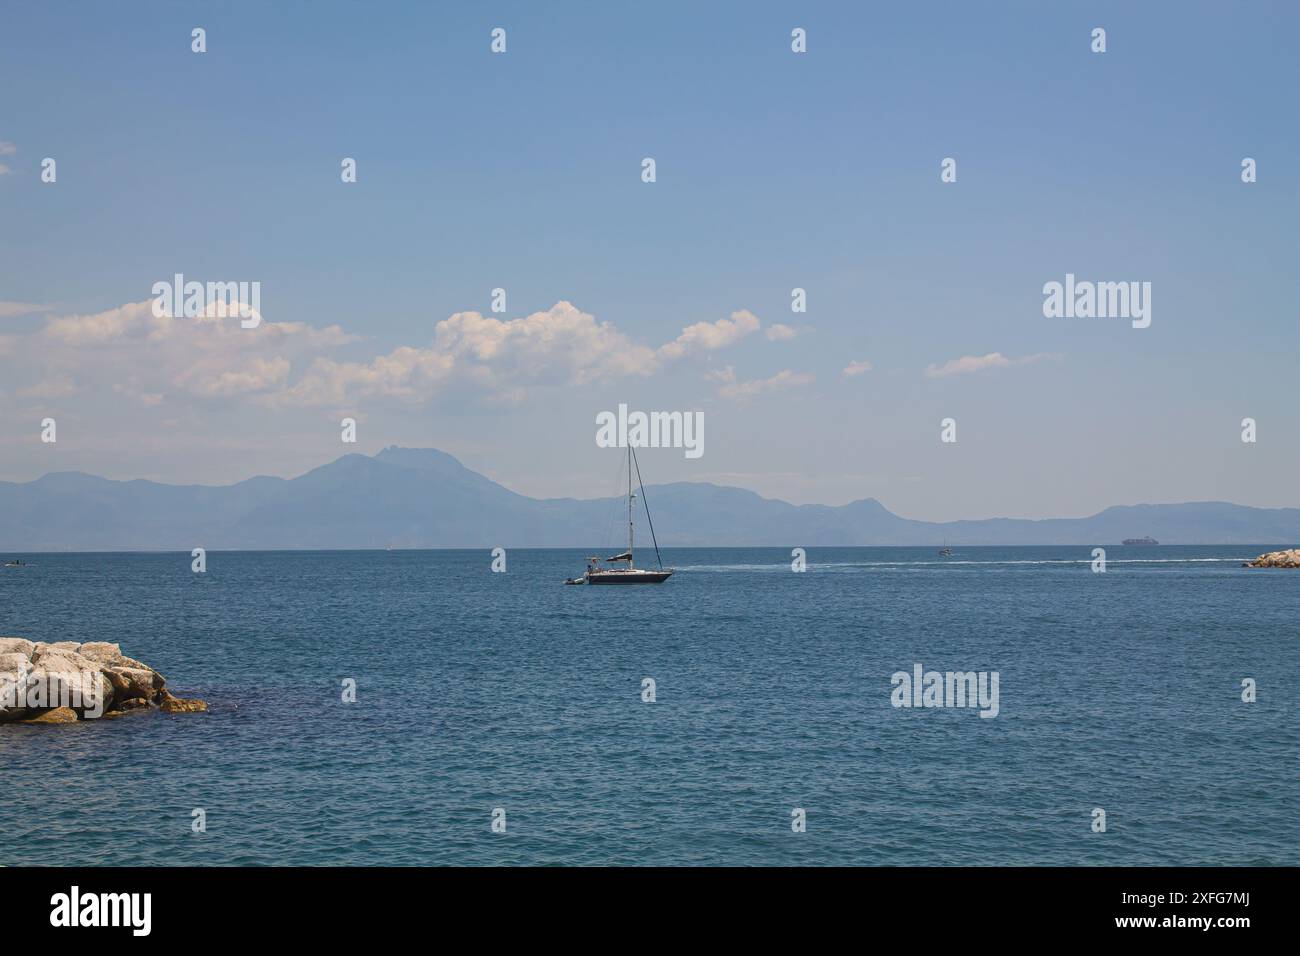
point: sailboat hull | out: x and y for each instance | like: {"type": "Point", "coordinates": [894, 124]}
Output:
{"type": "Point", "coordinates": [625, 576]}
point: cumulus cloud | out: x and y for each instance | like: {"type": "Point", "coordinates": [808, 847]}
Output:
{"type": "Point", "coordinates": [256, 375]}
{"type": "Point", "coordinates": [710, 336]}
{"type": "Point", "coordinates": [560, 346]}
{"type": "Point", "coordinates": [150, 356]}
{"type": "Point", "coordinates": [155, 357]}
{"type": "Point", "coordinates": [216, 329]}
{"type": "Point", "coordinates": [980, 363]}
{"type": "Point", "coordinates": [406, 373]}
{"type": "Point", "coordinates": [134, 320]}
{"type": "Point", "coordinates": [776, 332]}
{"type": "Point", "coordinates": [856, 367]}
{"type": "Point", "coordinates": [730, 387]}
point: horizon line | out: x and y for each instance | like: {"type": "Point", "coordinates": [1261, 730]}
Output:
{"type": "Point", "coordinates": [693, 547]}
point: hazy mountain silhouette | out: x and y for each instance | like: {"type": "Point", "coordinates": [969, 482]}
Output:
{"type": "Point", "coordinates": [424, 498]}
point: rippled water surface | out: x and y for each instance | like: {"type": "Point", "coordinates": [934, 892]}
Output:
{"type": "Point", "coordinates": [478, 690]}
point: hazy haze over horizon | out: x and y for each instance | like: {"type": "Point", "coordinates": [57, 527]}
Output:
{"type": "Point", "coordinates": [618, 492]}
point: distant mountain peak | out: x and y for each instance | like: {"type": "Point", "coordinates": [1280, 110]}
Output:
{"type": "Point", "coordinates": [425, 459]}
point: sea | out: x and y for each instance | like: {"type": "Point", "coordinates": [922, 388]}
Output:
{"type": "Point", "coordinates": [742, 713]}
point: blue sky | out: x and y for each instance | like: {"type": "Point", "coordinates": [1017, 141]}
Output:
{"type": "Point", "coordinates": [775, 170]}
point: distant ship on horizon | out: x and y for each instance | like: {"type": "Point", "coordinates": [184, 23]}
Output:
{"type": "Point", "coordinates": [1147, 540]}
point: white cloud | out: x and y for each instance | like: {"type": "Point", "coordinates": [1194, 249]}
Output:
{"type": "Point", "coordinates": [257, 375]}
{"type": "Point", "coordinates": [979, 363]}
{"type": "Point", "coordinates": [560, 346]}
{"type": "Point", "coordinates": [405, 373]}
{"type": "Point", "coordinates": [7, 148]}
{"type": "Point", "coordinates": [149, 357]}
{"type": "Point", "coordinates": [856, 367]}
{"type": "Point", "coordinates": [776, 332]}
{"type": "Point", "coordinates": [217, 329]}
{"type": "Point", "coordinates": [135, 319]}
{"type": "Point", "coordinates": [732, 388]}
{"type": "Point", "coordinates": [710, 336]}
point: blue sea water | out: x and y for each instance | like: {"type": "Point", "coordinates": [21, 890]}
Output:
{"type": "Point", "coordinates": [477, 690]}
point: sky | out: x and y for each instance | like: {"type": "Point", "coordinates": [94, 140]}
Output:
{"type": "Point", "coordinates": [774, 170]}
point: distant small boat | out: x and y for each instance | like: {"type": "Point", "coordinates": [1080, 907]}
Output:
{"type": "Point", "coordinates": [15, 564]}
{"type": "Point", "coordinates": [946, 552]}
{"type": "Point", "coordinates": [1145, 541]}
{"type": "Point", "coordinates": [595, 574]}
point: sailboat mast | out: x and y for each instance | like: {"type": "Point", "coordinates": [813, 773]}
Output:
{"type": "Point", "coordinates": [629, 505]}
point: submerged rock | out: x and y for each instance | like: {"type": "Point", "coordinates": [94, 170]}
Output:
{"type": "Point", "coordinates": [1276, 559]}
{"type": "Point", "coordinates": [65, 681]}
{"type": "Point", "coordinates": [131, 705]}
{"type": "Point", "coordinates": [174, 705]}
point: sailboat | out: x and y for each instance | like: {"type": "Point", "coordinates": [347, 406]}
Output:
{"type": "Point", "coordinates": [631, 574]}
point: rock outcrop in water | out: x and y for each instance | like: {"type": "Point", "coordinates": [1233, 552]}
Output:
{"type": "Point", "coordinates": [66, 681]}
{"type": "Point", "coordinates": [1276, 559]}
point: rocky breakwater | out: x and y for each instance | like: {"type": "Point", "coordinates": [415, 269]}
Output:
{"type": "Point", "coordinates": [1276, 559]}
{"type": "Point", "coordinates": [65, 682]}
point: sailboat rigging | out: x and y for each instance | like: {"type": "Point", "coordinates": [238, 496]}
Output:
{"type": "Point", "coordinates": [631, 574]}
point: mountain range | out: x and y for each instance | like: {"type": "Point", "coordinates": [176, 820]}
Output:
{"type": "Point", "coordinates": [424, 498]}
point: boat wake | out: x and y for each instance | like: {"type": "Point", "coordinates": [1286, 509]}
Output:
{"type": "Point", "coordinates": [834, 566]}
